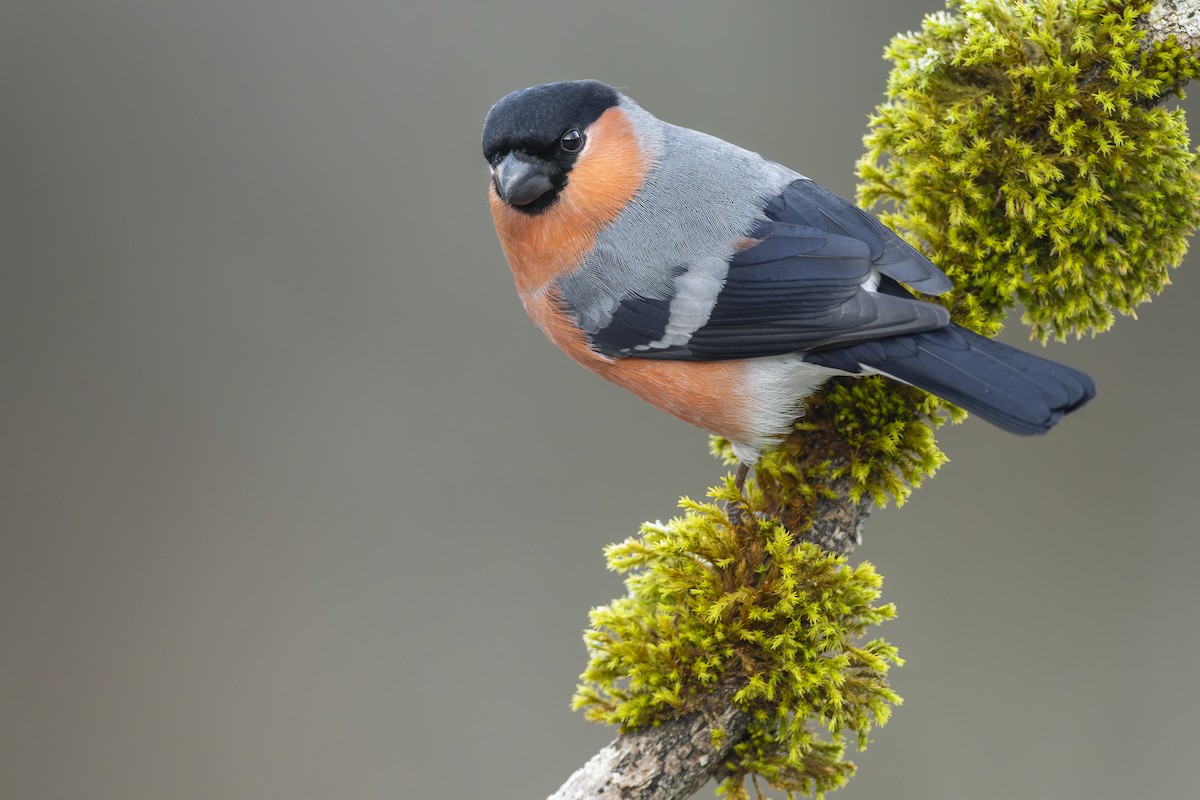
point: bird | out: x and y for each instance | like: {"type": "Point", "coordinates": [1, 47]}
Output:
{"type": "Point", "coordinates": [723, 287]}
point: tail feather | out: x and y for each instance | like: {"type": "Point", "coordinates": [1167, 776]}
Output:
{"type": "Point", "coordinates": [1018, 391]}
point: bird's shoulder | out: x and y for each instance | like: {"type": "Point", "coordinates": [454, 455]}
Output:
{"type": "Point", "coordinates": [741, 268]}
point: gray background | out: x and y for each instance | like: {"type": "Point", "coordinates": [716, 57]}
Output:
{"type": "Point", "coordinates": [297, 503]}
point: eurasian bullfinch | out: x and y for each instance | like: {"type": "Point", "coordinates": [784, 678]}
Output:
{"type": "Point", "coordinates": [723, 287]}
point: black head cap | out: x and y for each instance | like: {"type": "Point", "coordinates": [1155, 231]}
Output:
{"type": "Point", "coordinates": [532, 138]}
{"type": "Point", "coordinates": [532, 120]}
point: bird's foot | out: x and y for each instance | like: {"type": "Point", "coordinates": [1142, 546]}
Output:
{"type": "Point", "coordinates": [736, 509]}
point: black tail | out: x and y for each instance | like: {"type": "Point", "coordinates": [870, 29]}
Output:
{"type": "Point", "coordinates": [1018, 391]}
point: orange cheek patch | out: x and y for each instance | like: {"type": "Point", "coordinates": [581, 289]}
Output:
{"type": "Point", "coordinates": [609, 172]}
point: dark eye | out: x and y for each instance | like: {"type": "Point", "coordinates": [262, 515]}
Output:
{"type": "Point", "coordinates": [571, 141]}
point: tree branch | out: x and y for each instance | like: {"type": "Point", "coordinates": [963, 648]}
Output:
{"type": "Point", "coordinates": [674, 760]}
{"type": "Point", "coordinates": [1178, 18]}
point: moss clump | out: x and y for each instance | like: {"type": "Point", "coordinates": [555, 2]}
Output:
{"type": "Point", "coordinates": [878, 434]}
{"type": "Point", "coordinates": [711, 601]}
{"type": "Point", "coordinates": [1022, 145]}
{"type": "Point", "coordinates": [885, 431]}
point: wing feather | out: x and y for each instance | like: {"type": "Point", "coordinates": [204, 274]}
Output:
{"type": "Point", "coordinates": [807, 283]}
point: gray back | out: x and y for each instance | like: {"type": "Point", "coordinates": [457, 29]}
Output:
{"type": "Point", "coordinates": [700, 198]}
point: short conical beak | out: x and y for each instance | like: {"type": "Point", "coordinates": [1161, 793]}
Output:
{"type": "Point", "coordinates": [519, 181]}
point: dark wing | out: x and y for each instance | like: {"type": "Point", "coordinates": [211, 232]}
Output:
{"type": "Point", "coordinates": [1021, 392]}
{"type": "Point", "coordinates": [806, 203]}
{"type": "Point", "coordinates": [802, 287]}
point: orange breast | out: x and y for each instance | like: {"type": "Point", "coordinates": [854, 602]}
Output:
{"type": "Point", "coordinates": [708, 394]}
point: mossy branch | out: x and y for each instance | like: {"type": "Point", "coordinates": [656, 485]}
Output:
{"type": "Point", "coordinates": [1024, 147]}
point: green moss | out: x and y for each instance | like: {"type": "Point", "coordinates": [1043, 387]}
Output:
{"type": "Point", "coordinates": [876, 433]}
{"type": "Point", "coordinates": [885, 430]}
{"type": "Point", "coordinates": [711, 601]}
{"type": "Point", "coordinates": [1022, 144]}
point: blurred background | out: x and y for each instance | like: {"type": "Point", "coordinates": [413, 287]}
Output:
{"type": "Point", "coordinates": [295, 502]}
